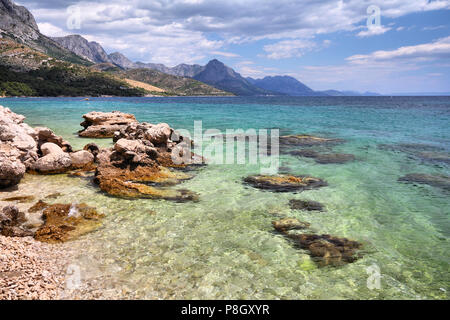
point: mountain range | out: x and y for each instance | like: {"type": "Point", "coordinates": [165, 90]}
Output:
{"type": "Point", "coordinates": [19, 25]}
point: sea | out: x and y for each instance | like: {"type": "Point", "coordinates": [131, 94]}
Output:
{"type": "Point", "coordinates": [224, 245]}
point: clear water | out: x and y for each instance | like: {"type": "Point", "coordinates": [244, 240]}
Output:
{"type": "Point", "coordinates": [223, 247]}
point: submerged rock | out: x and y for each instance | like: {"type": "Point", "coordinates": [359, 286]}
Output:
{"type": "Point", "coordinates": [305, 205]}
{"type": "Point", "coordinates": [307, 141]}
{"type": "Point", "coordinates": [325, 158]}
{"type": "Point", "coordinates": [104, 124]}
{"type": "Point", "coordinates": [438, 181]}
{"type": "Point", "coordinates": [38, 206]}
{"type": "Point", "coordinates": [65, 222]}
{"type": "Point", "coordinates": [286, 224]}
{"type": "Point", "coordinates": [328, 250]}
{"type": "Point", "coordinates": [285, 183]}
{"type": "Point", "coordinates": [423, 152]}
{"type": "Point", "coordinates": [432, 156]}
{"type": "Point", "coordinates": [20, 199]}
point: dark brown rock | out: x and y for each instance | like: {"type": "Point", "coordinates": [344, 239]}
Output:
{"type": "Point", "coordinates": [305, 205]}
{"type": "Point", "coordinates": [328, 250]}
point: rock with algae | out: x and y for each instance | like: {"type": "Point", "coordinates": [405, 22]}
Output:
{"type": "Point", "coordinates": [285, 183]}
{"type": "Point", "coordinates": [137, 165]}
{"type": "Point", "coordinates": [65, 222]}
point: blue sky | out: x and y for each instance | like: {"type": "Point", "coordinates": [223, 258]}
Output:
{"type": "Point", "coordinates": [326, 44]}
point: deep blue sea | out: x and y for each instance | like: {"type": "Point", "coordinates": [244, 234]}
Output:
{"type": "Point", "coordinates": [224, 247]}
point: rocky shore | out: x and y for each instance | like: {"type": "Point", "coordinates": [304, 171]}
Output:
{"type": "Point", "coordinates": [31, 270]}
{"type": "Point", "coordinates": [139, 165]}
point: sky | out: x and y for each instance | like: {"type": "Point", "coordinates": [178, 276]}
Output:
{"type": "Point", "coordinates": [385, 46]}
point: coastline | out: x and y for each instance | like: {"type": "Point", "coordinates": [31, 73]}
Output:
{"type": "Point", "coordinates": [156, 232]}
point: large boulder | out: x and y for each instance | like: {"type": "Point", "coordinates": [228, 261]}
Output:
{"type": "Point", "coordinates": [11, 168]}
{"type": "Point", "coordinates": [54, 160]}
{"type": "Point", "coordinates": [44, 135]}
{"type": "Point", "coordinates": [19, 135]}
{"type": "Point", "coordinates": [104, 124]}
{"type": "Point", "coordinates": [82, 159]}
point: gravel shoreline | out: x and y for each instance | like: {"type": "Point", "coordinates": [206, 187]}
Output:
{"type": "Point", "coordinates": [31, 270]}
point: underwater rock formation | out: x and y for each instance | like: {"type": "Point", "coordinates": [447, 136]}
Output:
{"type": "Point", "coordinates": [65, 222]}
{"type": "Point", "coordinates": [328, 250]}
{"type": "Point", "coordinates": [438, 181]}
{"type": "Point", "coordinates": [104, 124]}
{"type": "Point", "coordinates": [305, 205]}
{"type": "Point", "coordinates": [285, 183]}
{"type": "Point", "coordinates": [325, 158]}
{"type": "Point", "coordinates": [303, 140]}
{"type": "Point", "coordinates": [20, 199]}
{"type": "Point", "coordinates": [423, 152]}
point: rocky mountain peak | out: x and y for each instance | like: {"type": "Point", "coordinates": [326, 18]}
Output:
{"type": "Point", "coordinates": [91, 51]}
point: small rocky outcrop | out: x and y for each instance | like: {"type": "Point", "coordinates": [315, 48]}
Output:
{"type": "Point", "coordinates": [439, 181]}
{"type": "Point", "coordinates": [325, 158]}
{"type": "Point", "coordinates": [285, 183]}
{"type": "Point", "coordinates": [287, 224]}
{"type": "Point", "coordinates": [138, 164]}
{"type": "Point", "coordinates": [105, 124]}
{"type": "Point", "coordinates": [305, 205]}
{"type": "Point", "coordinates": [131, 170]}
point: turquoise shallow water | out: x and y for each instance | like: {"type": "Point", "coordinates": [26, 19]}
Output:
{"type": "Point", "coordinates": [223, 246]}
